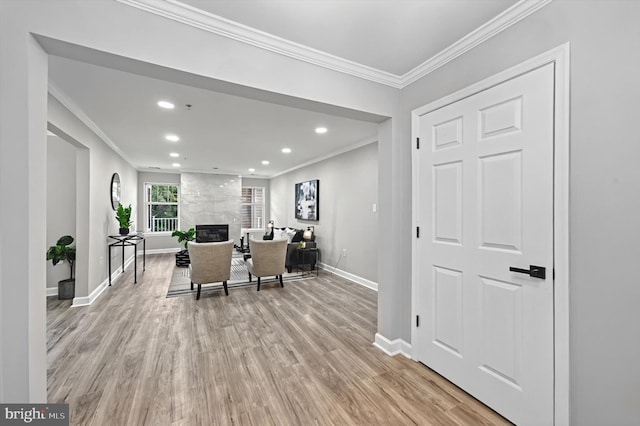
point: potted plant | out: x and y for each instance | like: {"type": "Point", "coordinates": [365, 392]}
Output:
{"type": "Point", "coordinates": [182, 257]}
{"type": "Point", "coordinates": [123, 216]}
{"type": "Point", "coordinates": [61, 252]}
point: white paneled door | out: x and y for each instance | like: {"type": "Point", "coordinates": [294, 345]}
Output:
{"type": "Point", "coordinates": [484, 205]}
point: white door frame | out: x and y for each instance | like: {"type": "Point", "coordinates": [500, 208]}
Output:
{"type": "Point", "coordinates": [560, 58]}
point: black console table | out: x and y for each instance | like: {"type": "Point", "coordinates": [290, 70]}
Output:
{"type": "Point", "coordinates": [307, 260]}
{"type": "Point", "coordinates": [126, 241]}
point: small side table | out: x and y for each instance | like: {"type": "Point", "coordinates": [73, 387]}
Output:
{"type": "Point", "coordinates": [126, 241]}
{"type": "Point", "coordinates": [307, 257]}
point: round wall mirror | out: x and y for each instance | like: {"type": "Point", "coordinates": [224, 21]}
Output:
{"type": "Point", "coordinates": [115, 191]}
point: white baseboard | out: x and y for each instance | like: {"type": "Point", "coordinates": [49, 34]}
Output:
{"type": "Point", "coordinates": [88, 300]}
{"type": "Point", "coordinates": [349, 276]}
{"type": "Point", "coordinates": [160, 251]}
{"type": "Point", "coordinates": [52, 291]}
{"type": "Point", "coordinates": [392, 347]}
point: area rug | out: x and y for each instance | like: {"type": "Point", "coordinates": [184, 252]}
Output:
{"type": "Point", "coordinates": [181, 284]}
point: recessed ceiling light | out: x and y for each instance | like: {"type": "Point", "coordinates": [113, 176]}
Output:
{"type": "Point", "coordinates": [321, 130]}
{"type": "Point", "coordinates": [265, 162]}
{"type": "Point", "coordinates": [252, 170]}
{"type": "Point", "coordinates": [166, 105]}
{"type": "Point", "coordinates": [176, 164]}
{"type": "Point", "coordinates": [286, 150]}
{"type": "Point", "coordinates": [172, 138]}
{"type": "Point", "coordinates": [174, 154]}
{"type": "Point", "coordinates": [232, 180]}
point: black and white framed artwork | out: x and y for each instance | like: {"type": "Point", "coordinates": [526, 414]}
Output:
{"type": "Point", "coordinates": [308, 200]}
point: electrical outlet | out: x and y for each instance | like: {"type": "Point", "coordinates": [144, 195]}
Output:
{"type": "Point", "coordinates": [344, 252]}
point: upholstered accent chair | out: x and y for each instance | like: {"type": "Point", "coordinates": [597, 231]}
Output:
{"type": "Point", "coordinates": [210, 263]}
{"type": "Point", "coordinates": [267, 259]}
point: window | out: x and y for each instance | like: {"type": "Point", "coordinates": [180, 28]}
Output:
{"type": "Point", "coordinates": [252, 208]}
{"type": "Point", "coordinates": [161, 207]}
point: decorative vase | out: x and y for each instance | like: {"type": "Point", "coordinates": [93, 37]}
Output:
{"type": "Point", "coordinates": [124, 231]}
{"type": "Point", "coordinates": [67, 289]}
{"type": "Point", "coordinates": [182, 258]}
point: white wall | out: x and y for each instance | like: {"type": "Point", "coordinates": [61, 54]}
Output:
{"type": "Point", "coordinates": [102, 163]}
{"type": "Point", "coordinates": [23, 164]}
{"type": "Point", "coordinates": [604, 188]}
{"type": "Point", "coordinates": [61, 201]}
{"type": "Point", "coordinates": [121, 30]}
{"type": "Point", "coordinates": [348, 190]}
{"type": "Point", "coordinates": [604, 173]}
{"type": "Point", "coordinates": [394, 228]}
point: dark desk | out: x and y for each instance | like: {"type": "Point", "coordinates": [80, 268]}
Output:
{"type": "Point", "coordinates": [126, 241]}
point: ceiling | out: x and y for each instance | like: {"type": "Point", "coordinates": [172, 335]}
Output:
{"type": "Point", "coordinates": [389, 35]}
{"type": "Point", "coordinates": [224, 133]}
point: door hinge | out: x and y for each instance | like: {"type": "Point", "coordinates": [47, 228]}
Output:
{"type": "Point", "coordinates": [417, 320]}
{"type": "Point", "coordinates": [417, 143]}
{"type": "Point", "coordinates": [417, 232]}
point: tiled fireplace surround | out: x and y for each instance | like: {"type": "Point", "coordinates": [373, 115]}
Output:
{"type": "Point", "coordinates": [211, 199]}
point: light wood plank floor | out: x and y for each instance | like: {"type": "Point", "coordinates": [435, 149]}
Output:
{"type": "Point", "coordinates": [297, 355]}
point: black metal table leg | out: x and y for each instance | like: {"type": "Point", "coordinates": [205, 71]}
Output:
{"type": "Point", "coordinates": [135, 264]}
{"type": "Point", "coordinates": [124, 241]}
{"type": "Point", "coordinates": [109, 272]}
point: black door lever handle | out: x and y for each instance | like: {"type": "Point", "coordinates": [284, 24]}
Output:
{"type": "Point", "coordinates": [533, 271]}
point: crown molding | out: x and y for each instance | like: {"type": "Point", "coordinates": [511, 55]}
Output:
{"type": "Point", "coordinates": [180, 12]}
{"type": "Point", "coordinates": [341, 151]}
{"type": "Point", "coordinates": [77, 111]}
{"type": "Point", "coordinates": [215, 24]}
{"type": "Point", "coordinates": [509, 17]}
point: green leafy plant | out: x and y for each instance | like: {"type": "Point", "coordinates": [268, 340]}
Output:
{"type": "Point", "coordinates": [185, 236]}
{"type": "Point", "coordinates": [62, 251]}
{"type": "Point", "coordinates": [123, 215]}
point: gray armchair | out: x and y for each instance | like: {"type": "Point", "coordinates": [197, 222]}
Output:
{"type": "Point", "coordinates": [210, 263]}
{"type": "Point", "coordinates": [267, 259]}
